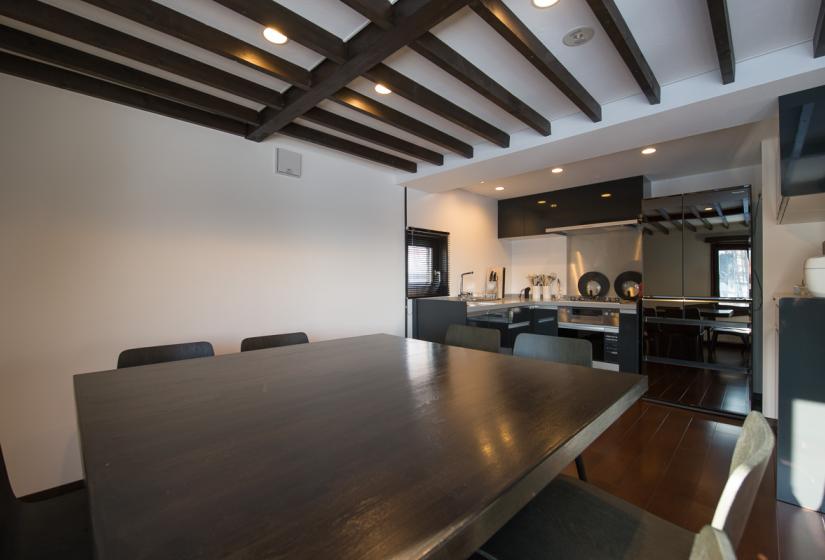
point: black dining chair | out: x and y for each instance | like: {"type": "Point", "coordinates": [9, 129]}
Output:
{"type": "Point", "coordinates": [166, 353]}
{"type": "Point", "coordinates": [273, 341]}
{"type": "Point", "coordinates": [573, 519]}
{"type": "Point", "coordinates": [558, 349]}
{"type": "Point", "coordinates": [48, 529]}
{"type": "Point", "coordinates": [474, 338]}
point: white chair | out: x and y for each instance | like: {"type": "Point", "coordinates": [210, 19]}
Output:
{"type": "Point", "coordinates": [573, 519]}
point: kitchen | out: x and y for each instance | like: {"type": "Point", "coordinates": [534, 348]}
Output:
{"type": "Point", "coordinates": [412, 278]}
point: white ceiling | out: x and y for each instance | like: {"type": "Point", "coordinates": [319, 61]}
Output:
{"type": "Point", "coordinates": [674, 35]}
{"type": "Point", "coordinates": [728, 148]}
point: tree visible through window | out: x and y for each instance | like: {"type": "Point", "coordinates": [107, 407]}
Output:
{"type": "Point", "coordinates": [427, 263]}
{"type": "Point", "coordinates": [731, 262]}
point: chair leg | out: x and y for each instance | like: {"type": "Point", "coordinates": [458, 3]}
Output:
{"type": "Point", "coordinates": [580, 469]}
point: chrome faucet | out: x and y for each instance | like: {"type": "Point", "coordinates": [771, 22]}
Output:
{"type": "Point", "coordinates": [461, 292]}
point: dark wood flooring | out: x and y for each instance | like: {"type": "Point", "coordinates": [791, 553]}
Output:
{"type": "Point", "coordinates": [712, 390]}
{"type": "Point", "coordinates": [674, 463]}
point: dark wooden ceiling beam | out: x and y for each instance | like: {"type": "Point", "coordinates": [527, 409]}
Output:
{"type": "Point", "coordinates": [695, 211]}
{"type": "Point", "coordinates": [271, 14]}
{"type": "Point", "coordinates": [660, 227]}
{"type": "Point", "coordinates": [347, 126]}
{"type": "Point", "coordinates": [368, 106]}
{"type": "Point", "coordinates": [515, 32]}
{"type": "Point", "coordinates": [377, 11]}
{"type": "Point", "coordinates": [75, 27]}
{"type": "Point", "coordinates": [819, 36]}
{"type": "Point", "coordinates": [46, 51]}
{"type": "Point", "coordinates": [428, 99]}
{"type": "Point", "coordinates": [666, 217]}
{"type": "Point", "coordinates": [180, 26]}
{"type": "Point", "coordinates": [720, 23]}
{"type": "Point", "coordinates": [616, 28]}
{"type": "Point", "coordinates": [367, 49]}
{"type": "Point", "coordinates": [64, 79]}
{"type": "Point", "coordinates": [343, 145]}
{"type": "Point", "coordinates": [721, 214]}
{"type": "Point", "coordinates": [442, 55]}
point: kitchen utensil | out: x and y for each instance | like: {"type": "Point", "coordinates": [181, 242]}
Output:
{"type": "Point", "coordinates": [593, 284]}
{"type": "Point", "coordinates": [628, 285]}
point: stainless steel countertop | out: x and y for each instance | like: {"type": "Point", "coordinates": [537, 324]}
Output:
{"type": "Point", "coordinates": [509, 301]}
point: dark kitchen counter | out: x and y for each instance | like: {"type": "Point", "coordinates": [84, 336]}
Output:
{"type": "Point", "coordinates": [509, 301]}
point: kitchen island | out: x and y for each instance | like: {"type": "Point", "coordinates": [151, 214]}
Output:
{"type": "Point", "coordinates": [612, 326]}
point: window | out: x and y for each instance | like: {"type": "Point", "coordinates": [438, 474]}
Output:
{"type": "Point", "coordinates": [427, 263]}
{"type": "Point", "coordinates": [731, 265]}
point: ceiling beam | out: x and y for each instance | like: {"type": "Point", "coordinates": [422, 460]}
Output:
{"type": "Point", "coordinates": [721, 214]}
{"type": "Point", "coordinates": [695, 211]}
{"type": "Point", "coordinates": [616, 28]}
{"type": "Point", "coordinates": [180, 26]}
{"type": "Point", "coordinates": [660, 227]}
{"type": "Point", "coordinates": [368, 106]}
{"type": "Point", "coordinates": [377, 11]}
{"type": "Point", "coordinates": [271, 14]}
{"type": "Point", "coordinates": [666, 217]}
{"type": "Point", "coordinates": [64, 79]}
{"type": "Point", "coordinates": [819, 37]}
{"type": "Point", "coordinates": [74, 27]}
{"type": "Point", "coordinates": [46, 51]}
{"type": "Point", "coordinates": [342, 145]}
{"type": "Point", "coordinates": [347, 126]}
{"type": "Point", "coordinates": [428, 99]}
{"type": "Point", "coordinates": [515, 32]}
{"type": "Point", "coordinates": [746, 213]}
{"type": "Point", "coordinates": [439, 53]}
{"type": "Point", "coordinates": [720, 23]}
{"type": "Point", "coordinates": [367, 49]}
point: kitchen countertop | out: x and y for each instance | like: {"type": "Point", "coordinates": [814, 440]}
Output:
{"type": "Point", "coordinates": [508, 301]}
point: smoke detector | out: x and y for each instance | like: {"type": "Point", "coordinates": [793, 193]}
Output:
{"type": "Point", "coordinates": [578, 36]}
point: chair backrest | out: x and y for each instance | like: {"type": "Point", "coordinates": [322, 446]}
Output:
{"type": "Point", "coordinates": [273, 341]}
{"type": "Point", "coordinates": [712, 544]}
{"type": "Point", "coordinates": [8, 501]}
{"type": "Point", "coordinates": [554, 349]}
{"type": "Point", "coordinates": [750, 458]}
{"type": "Point", "coordinates": [475, 338]}
{"type": "Point", "coordinates": [167, 353]}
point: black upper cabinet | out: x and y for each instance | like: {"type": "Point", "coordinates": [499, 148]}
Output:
{"type": "Point", "coordinates": [611, 201]}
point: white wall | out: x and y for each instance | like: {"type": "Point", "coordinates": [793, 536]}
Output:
{"type": "Point", "coordinates": [750, 175]}
{"type": "Point", "coordinates": [540, 255]}
{"type": "Point", "coordinates": [119, 228]}
{"type": "Point", "coordinates": [472, 222]}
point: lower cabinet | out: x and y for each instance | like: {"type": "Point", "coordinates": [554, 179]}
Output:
{"type": "Point", "coordinates": [546, 321]}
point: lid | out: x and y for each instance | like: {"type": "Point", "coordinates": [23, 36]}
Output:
{"type": "Point", "coordinates": [815, 262]}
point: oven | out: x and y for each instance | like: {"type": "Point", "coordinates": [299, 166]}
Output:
{"type": "Point", "coordinates": [599, 326]}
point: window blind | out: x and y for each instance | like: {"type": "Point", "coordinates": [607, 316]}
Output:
{"type": "Point", "coordinates": [428, 273]}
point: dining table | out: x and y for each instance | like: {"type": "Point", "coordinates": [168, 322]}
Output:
{"type": "Point", "coordinates": [368, 447]}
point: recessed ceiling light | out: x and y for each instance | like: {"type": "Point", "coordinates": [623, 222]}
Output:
{"type": "Point", "coordinates": [554, 205]}
{"type": "Point", "coordinates": [708, 209]}
{"type": "Point", "coordinates": [482, 182]}
{"type": "Point", "coordinates": [606, 195]}
{"type": "Point", "coordinates": [544, 3]}
{"type": "Point", "coordinates": [542, 202]}
{"type": "Point", "coordinates": [382, 89]}
{"type": "Point", "coordinates": [275, 36]}
{"type": "Point", "coordinates": [556, 170]}
{"type": "Point", "coordinates": [499, 188]}
{"type": "Point", "coordinates": [648, 151]}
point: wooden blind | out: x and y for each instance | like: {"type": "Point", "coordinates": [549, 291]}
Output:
{"type": "Point", "coordinates": [428, 273]}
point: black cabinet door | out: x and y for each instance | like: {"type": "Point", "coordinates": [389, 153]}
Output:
{"type": "Point", "coordinates": [629, 343]}
{"type": "Point", "coordinates": [546, 321]}
{"type": "Point", "coordinates": [510, 218]}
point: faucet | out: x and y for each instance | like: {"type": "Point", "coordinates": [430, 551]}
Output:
{"type": "Point", "coordinates": [461, 292]}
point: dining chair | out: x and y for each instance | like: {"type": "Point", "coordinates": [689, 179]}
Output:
{"type": "Point", "coordinates": [556, 349]}
{"type": "Point", "coordinates": [167, 353]}
{"type": "Point", "coordinates": [573, 519]}
{"type": "Point", "coordinates": [475, 338]}
{"type": "Point", "coordinates": [47, 529]}
{"type": "Point", "coordinates": [273, 341]}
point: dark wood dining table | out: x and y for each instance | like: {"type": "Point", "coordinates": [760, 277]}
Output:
{"type": "Point", "coordinates": [368, 447]}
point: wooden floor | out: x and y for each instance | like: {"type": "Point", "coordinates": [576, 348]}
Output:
{"type": "Point", "coordinates": [712, 390]}
{"type": "Point", "coordinates": [674, 463]}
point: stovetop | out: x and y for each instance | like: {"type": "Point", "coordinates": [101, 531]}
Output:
{"type": "Point", "coordinates": [589, 298]}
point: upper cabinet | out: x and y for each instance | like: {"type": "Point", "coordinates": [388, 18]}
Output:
{"type": "Point", "coordinates": [802, 148]}
{"type": "Point", "coordinates": [611, 201]}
